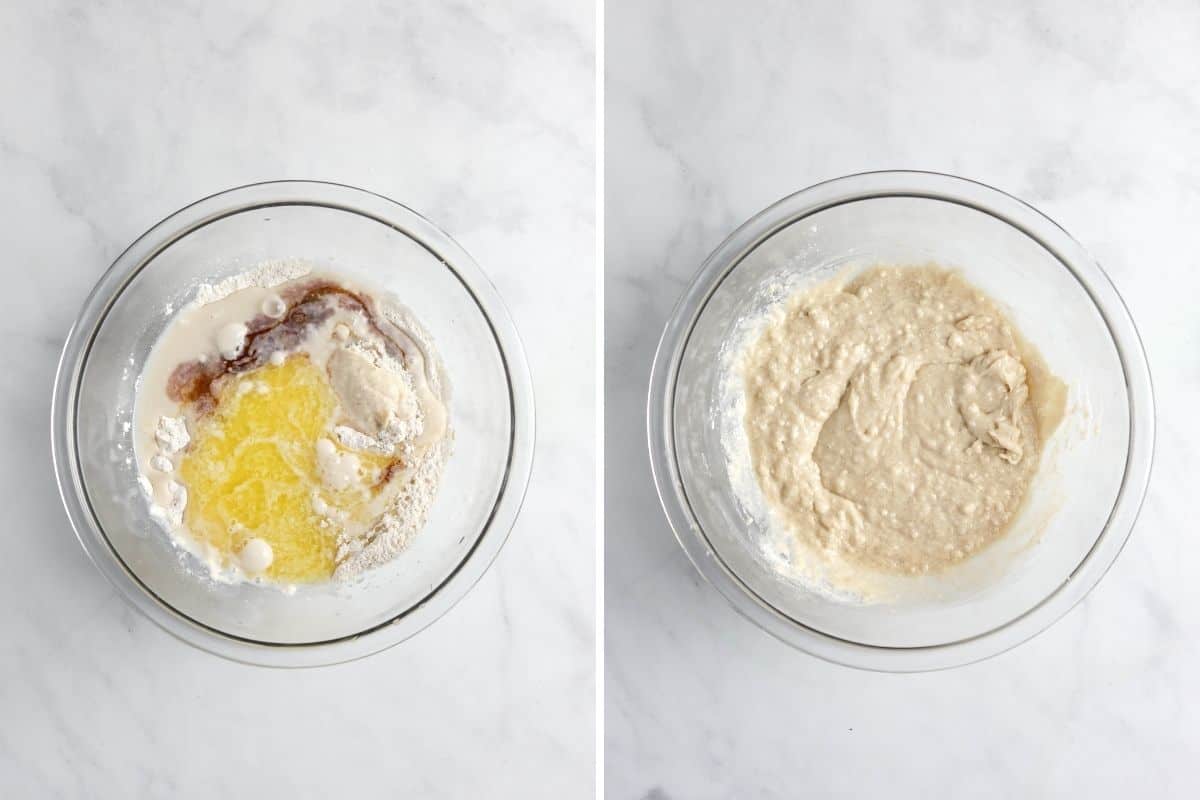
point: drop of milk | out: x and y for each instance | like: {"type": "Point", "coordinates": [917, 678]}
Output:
{"type": "Point", "coordinates": [274, 306]}
{"type": "Point", "coordinates": [256, 555]}
{"type": "Point", "coordinates": [338, 471]}
{"type": "Point", "coordinates": [231, 339]}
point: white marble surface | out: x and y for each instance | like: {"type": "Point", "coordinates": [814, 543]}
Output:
{"type": "Point", "coordinates": [1089, 111]}
{"type": "Point", "coordinates": [478, 114]}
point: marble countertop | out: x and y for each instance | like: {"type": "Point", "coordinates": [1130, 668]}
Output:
{"type": "Point", "coordinates": [479, 115]}
{"type": "Point", "coordinates": [1090, 112]}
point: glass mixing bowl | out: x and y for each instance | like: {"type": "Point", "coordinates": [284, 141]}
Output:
{"type": "Point", "coordinates": [1094, 471]}
{"type": "Point", "coordinates": [373, 241]}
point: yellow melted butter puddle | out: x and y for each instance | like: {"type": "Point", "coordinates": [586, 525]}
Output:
{"type": "Point", "coordinates": [251, 470]}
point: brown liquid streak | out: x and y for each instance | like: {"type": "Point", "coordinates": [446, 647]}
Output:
{"type": "Point", "coordinates": [306, 307]}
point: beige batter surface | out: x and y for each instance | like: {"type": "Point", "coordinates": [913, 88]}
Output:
{"type": "Point", "coordinates": [895, 422]}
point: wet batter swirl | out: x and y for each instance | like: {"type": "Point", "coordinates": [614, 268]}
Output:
{"type": "Point", "coordinates": [895, 422]}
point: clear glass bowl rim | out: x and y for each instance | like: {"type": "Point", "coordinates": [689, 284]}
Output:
{"type": "Point", "coordinates": [933, 186]}
{"type": "Point", "coordinates": [339, 197]}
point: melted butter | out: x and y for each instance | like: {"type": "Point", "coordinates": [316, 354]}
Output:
{"type": "Point", "coordinates": [252, 471]}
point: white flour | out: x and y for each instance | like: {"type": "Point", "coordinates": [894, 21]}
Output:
{"type": "Point", "coordinates": [395, 528]}
{"type": "Point", "coordinates": [265, 276]}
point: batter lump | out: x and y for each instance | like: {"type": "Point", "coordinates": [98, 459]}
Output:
{"type": "Point", "coordinates": [895, 422]}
